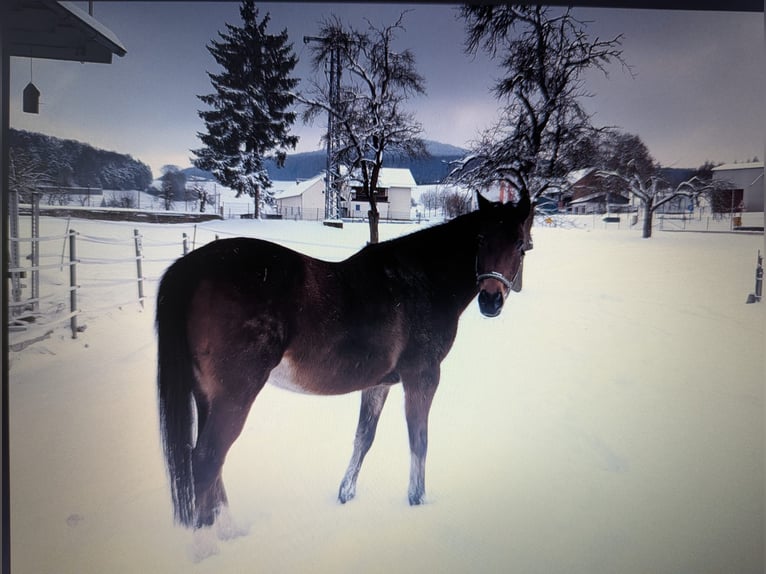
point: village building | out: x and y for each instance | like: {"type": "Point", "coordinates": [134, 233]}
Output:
{"type": "Point", "coordinates": [589, 192]}
{"type": "Point", "coordinates": [393, 195]}
{"type": "Point", "coordinates": [302, 199]}
{"type": "Point", "coordinates": [743, 183]}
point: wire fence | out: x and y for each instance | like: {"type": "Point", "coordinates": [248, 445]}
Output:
{"type": "Point", "coordinates": [352, 215]}
{"type": "Point", "coordinates": [78, 275]}
{"type": "Point", "coordinates": [71, 276]}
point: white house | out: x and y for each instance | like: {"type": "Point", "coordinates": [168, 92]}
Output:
{"type": "Point", "coordinates": [394, 196]}
{"type": "Point", "coordinates": [300, 199]}
{"type": "Point", "coordinates": [744, 185]}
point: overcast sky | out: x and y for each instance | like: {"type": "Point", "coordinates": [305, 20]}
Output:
{"type": "Point", "coordinates": [697, 93]}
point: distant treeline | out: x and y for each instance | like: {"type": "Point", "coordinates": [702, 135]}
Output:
{"type": "Point", "coordinates": [70, 163]}
{"type": "Point", "coordinates": [432, 169]}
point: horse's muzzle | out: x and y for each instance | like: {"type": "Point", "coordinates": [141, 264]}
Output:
{"type": "Point", "coordinates": [490, 304]}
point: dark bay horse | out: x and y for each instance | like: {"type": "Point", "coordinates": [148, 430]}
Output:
{"type": "Point", "coordinates": [237, 313]}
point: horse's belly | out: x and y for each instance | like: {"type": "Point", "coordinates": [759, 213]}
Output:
{"type": "Point", "coordinates": [284, 376]}
{"type": "Point", "coordinates": [323, 380]}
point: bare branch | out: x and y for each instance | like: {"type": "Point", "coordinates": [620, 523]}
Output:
{"type": "Point", "coordinates": [370, 114]}
{"type": "Point", "coordinates": [545, 53]}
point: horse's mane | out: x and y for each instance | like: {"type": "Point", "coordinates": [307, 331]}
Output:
{"type": "Point", "coordinates": [443, 236]}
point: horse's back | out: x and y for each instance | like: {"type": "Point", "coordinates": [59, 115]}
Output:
{"type": "Point", "coordinates": [232, 291]}
{"type": "Point", "coordinates": [241, 259]}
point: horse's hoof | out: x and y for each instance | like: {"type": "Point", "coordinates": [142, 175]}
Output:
{"type": "Point", "coordinates": [226, 527]}
{"type": "Point", "coordinates": [345, 494]}
{"type": "Point", "coordinates": [416, 500]}
{"type": "Point", "coordinates": [203, 545]}
{"type": "Point", "coordinates": [347, 490]}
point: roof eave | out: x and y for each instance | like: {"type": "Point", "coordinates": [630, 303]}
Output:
{"type": "Point", "coordinates": [52, 30]}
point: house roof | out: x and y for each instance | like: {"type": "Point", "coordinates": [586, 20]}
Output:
{"type": "Point", "coordinates": [600, 196]}
{"type": "Point", "coordinates": [396, 177]}
{"type": "Point", "coordinates": [574, 176]}
{"type": "Point", "coordinates": [286, 189]}
{"type": "Point", "coordinates": [393, 177]}
{"type": "Point", "coordinates": [389, 177]}
{"type": "Point", "coordinates": [58, 31]}
{"type": "Point", "coordinates": [571, 180]}
{"type": "Point", "coordinates": [738, 166]}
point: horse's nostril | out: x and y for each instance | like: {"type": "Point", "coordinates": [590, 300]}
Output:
{"type": "Point", "coordinates": [490, 304]}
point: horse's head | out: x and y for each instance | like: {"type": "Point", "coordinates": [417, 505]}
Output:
{"type": "Point", "coordinates": [500, 253]}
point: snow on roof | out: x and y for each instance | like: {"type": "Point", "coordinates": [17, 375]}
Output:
{"type": "Point", "coordinates": [285, 189]}
{"type": "Point", "coordinates": [576, 175]}
{"type": "Point", "coordinates": [107, 37]}
{"type": "Point", "coordinates": [733, 166]}
{"type": "Point", "coordinates": [394, 177]}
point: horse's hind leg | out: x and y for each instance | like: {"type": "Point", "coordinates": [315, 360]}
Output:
{"type": "Point", "coordinates": [224, 395]}
{"type": "Point", "coordinates": [223, 423]}
{"type": "Point", "coordinates": [418, 396]}
{"type": "Point", "coordinates": [373, 400]}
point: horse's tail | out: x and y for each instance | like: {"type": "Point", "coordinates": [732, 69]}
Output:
{"type": "Point", "coordinates": [175, 382]}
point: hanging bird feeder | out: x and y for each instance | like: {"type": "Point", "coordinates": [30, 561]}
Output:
{"type": "Point", "coordinates": [31, 99]}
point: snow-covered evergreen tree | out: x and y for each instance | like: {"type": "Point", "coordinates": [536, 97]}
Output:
{"type": "Point", "coordinates": [250, 111]}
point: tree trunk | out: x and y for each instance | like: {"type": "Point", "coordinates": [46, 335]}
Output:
{"type": "Point", "coordinates": [648, 215]}
{"type": "Point", "coordinates": [373, 217]}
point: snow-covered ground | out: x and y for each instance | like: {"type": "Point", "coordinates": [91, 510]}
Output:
{"type": "Point", "coordinates": [610, 421]}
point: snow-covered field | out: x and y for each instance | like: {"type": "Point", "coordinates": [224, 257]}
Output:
{"type": "Point", "coordinates": [610, 421]}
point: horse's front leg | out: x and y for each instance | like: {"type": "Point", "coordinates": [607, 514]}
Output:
{"type": "Point", "coordinates": [418, 394]}
{"type": "Point", "coordinates": [373, 400]}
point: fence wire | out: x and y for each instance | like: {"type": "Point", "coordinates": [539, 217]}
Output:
{"type": "Point", "coordinates": [71, 297]}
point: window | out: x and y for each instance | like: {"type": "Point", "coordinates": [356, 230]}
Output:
{"type": "Point", "coordinates": [381, 195]}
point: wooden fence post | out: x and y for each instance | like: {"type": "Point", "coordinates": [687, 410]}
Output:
{"type": "Point", "coordinates": [14, 262]}
{"type": "Point", "coordinates": [35, 252]}
{"type": "Point", "coordinates": [73, 282]}
{"type": "Point", "coordinates": [139, 269]}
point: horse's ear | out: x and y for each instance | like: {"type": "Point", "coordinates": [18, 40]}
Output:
{"type": "Point", "coordinates": [523, 207]}
{"type": "Point", "coordinates": [483, 202]}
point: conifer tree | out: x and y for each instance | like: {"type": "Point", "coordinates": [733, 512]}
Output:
{"type": "Point", "coordinates": [249, 115]}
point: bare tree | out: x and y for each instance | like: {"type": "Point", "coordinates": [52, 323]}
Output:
{"type": "Point", "coordinates": [622, 152]}
{"type": "Point", "coordinates": [173, 186]}
{"type": "Point", "coordinates": [369, 110]}
{"type": "Point", "coordinates": [121, 199]}
{"type": "Point", "coordinates": [456, 203]}
{"type": "Point", "coordinates": [432, 199]}
{"type": "Point", "coordinates": [653, 192]}
{"type": "Point", "coordinates": [200, 194]}
{"type": "Point", "coordinates": [26, 175]}
{"type": "Point", "coordinates": [544, 53]}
